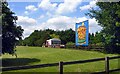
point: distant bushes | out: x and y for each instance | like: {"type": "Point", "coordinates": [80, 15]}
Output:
{"type": "Point", "coordinates": [93, 47]}
{"type": "Point", "coordinates": [70, 45]}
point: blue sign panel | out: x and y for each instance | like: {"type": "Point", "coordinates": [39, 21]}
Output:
{"type": "Point", "coordinates": [82, 32]}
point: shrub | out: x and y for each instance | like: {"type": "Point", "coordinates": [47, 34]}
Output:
{"type": "Point", "coordinates": [70, 45]}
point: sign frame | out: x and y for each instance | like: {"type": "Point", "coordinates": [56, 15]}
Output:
{"type": "Point", "coordinates": [77, 39]}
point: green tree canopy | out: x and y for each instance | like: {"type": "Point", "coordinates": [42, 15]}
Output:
{"type": "Point", "coordinates": [37, 38]}
{"type": "Point", "coordinates": [108, 16]}
{"type": "Point", "coordinates": [10, 32]}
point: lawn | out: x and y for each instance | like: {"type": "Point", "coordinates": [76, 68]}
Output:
{"type": "Point", "coordinates": [39, 55]}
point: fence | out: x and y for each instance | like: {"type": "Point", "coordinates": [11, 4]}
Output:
{"type": "Point", "coordinates": [89, 47]}
{"type": "Point", "coordinates": [61, 65]}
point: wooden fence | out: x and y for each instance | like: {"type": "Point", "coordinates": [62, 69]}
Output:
{"type": "Point", "coordinates": [89, 47]}
{"type": "Point", "coordinates": [61, 65]}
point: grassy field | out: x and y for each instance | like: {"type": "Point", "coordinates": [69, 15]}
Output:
{"type": "Point", "coordinates": [39, 55]}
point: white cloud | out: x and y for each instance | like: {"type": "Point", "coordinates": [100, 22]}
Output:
{"type": "Point", "coordinates": [26, 20]}
{"type": "Point", "coordinates": [93, 26]}
{"type": "Point", "coordinates": [49, 14]}
{"type": "Point", "coordinates": [55, 23]}
{"type": "Point", "coordinates": [53, 17]}
{"type": "Point", "coordinates": [26, 12]}
{"type": "Point", "coordinates": [64, 22]}
{"type": "Point", "coordinates": [31, 8]}
{"type": "Point", "coordinates": [90, 5]}
{"type": "Point", "coordinates": [42, 16]}
{"type": "Point", "coordinates": [61, 22]}
{"type": "Point", "coordinates": [68, 6]}
{"type": "Point", "coordinates": [27, 24]}
{"type": "Point", "coordinates": [81, 19]}
{"type": "Point", "coordinates": [47, 5]}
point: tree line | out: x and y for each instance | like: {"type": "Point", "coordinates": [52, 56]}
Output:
{"type": "Point", "coordinates": [38, 37]}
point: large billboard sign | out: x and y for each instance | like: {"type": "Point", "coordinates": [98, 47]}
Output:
{"type": "Point", "coordinates": [82, 32]}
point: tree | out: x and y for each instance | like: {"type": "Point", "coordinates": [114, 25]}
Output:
{"type": "Point", "coordinates": [54, 36]}
{"type": "Point", "coordinates": [91, 38]}
{"type": "Point", "coordinates": [0, 28]}
{"type": "Point", "coordinates": [98, 38]}
{"type": "Point", "coordinates": [10, 32]}
{"type": "Point", "coordinates": [67, 36]}
{"type": "Point", "coordinates": [108, 16]}
{"type": "Point", "coordinates": [37, 38]}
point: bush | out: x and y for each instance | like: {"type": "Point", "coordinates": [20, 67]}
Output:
{"type": "Point", "coordinates": [70, 45]}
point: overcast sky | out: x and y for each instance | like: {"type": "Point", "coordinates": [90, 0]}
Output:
{"type": "Point", "coordinates": [54, 15]}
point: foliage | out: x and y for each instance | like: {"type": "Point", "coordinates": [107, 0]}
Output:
{"type": "Point", "coordinates": [67, 36]}
{"type": "Point", "coordinates": [91, 38]}
{"type": "Point", "coordinates": [96, 38]}
{"type": "Point", "coordinates": [108, 16]}
{"type": "Point", "coordinates": [10, 32]}
{"type": "Point", "coordinates": [70, 43]}
{"type": "Point", "coordinates": [37, 38]}
{"type": "Point", "coordinates": [0, 28]}
{"type": "Point", "coordinates": [54, 36]}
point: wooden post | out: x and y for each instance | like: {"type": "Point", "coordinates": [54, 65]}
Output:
{"type": "Point", "coordinates": [107, 65]}
{"type": "Point", "coordinates": [61, 67]}
{"type": "Point", "coordinates": [76, 47]}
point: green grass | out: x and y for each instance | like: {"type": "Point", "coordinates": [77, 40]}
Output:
{"type": "Point", "coordinates": [39, 55]}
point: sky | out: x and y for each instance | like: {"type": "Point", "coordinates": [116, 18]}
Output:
{"type": "Point", "coordinates": [56, 15]}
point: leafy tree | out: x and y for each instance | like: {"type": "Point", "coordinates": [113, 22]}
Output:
{"type": "Point", "coordinates": [91, 38]}
{"type": "Point", "coordinates": [108, 16]}
{"type": "Point", "coordinates": [54, 36]}
{"type": "Point", "coordinates": [98, 38]}
{"type": "Point", "coordinates": [0, 28]}
{"type": "Point", "coordinates": [50, 31]}
{"type": "Point", "coordinates": [37, 38]}
{"type": "Point", "coordinates": [10, 32]}
{"type": "Point", "coordinates": [67, 36]}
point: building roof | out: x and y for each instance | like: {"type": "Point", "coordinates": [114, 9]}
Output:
{"type": "Point", "coordinates": [55, 39]}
